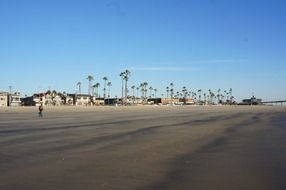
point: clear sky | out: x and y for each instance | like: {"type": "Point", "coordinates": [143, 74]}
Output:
{"type": "Point", "coordinates": [200, 44]}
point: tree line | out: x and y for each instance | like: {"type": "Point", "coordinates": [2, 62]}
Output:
{"type": "Point", "coordinates": [144, 91]}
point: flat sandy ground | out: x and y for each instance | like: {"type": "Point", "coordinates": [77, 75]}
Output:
{"type": "Point", "coordinates": [142, 148]}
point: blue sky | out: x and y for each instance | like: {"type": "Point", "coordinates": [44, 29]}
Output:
{"type": "Point", "coordinates": [200, 44]}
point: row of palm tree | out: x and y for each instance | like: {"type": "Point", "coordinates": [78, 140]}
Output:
{"type": "Point", "coordinates": [125, 77]}
{"type": "Point", "coordinates": [93, 89]}
{"type": "Point", "coordinates": [209, 97]}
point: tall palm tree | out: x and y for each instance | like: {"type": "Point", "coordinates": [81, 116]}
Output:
{"type": "Point", "coordinates": [142, 90]}
{"type": "Point", "coordinates": [155, 90]}
{"type": "Point", "coordinates": [172, 91]}
{"type": "Point", "coordinates": [190, 94]}
{"type": "Point", "coordinates": [109, 84]}
{"type": "Point", "coordinates": [218, 96]}
{"type": "Point", "coordinates": [104, 87]}
{"type": "Point", "coordinates": [79, 87]}
{"type": "Point", "coordinates": [151, 89]}
{"type": "Point", "coordinates": [125, 77]}
{"type": "Point", "coordinates": [184, 92]}
{"type": "Point", "coordinates": [133, 90]}
{"type": "Point", "coordinates": [167, 89]}
{"type": "Point", "coordinates": [230, 95]}
{"type": "Point", "coordinates": [145, 85]}
{"type": "Point", "coordinates": [205, 96]}
{"type": "Point", "coordinates": [178, 96]}
{"type": "Point", "coordinates": [93, 90]}
{"type": "Point", "coordinates": [90, 79]}
{"type": "Point", "coordinates": [200, 93]}
{"type": "Point", "coordinates": [137, 92]}
{"type": "Point", "coordinates": [97, 85]}
{"type": "Point", "coordinates": [210, 96]}
{"type": "Point", "coordinates": [122, 85]}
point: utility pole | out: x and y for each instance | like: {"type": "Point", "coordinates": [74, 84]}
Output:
{"type": "Point", "coordinates": [10, 88]}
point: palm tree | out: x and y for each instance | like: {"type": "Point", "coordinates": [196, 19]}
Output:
{"type": "Point", "coordinates": [104, 88]}
{"type": "Point", "coordinates": [93, 90]}
{"type": "Point", "coordinates": [122, 94]}
{"type": "Point", "coordinates": [178, 96]}
{"type": "Point", "coordinates": [167, 89]}
{"type": "Point", "coordinates": [184, 94]}
{"type": "Point", "coordinates": [172, 91]}
{"type": "Point", "coordinates": [109, 85]}
{"type": "Point", "coordinates": [150, 88]}
{"type": "Point", "coordinates": [79, 87]}
{"type": "Point", "coordinates": [205, 100]}
{"type": "Point", "coordinates": [90, 79]}
{"type": "Point", "coordinates": [133, 90]}
{"type": "Point", "coordinates": [145, 84]}
{"type": "Point", "coordinates": [125, 77]}
{"type": "Point", "coordinates": [230, 95]}
{"type": "Point", "coordinates": [137, 92]}
{"type": "Point", "coordinates": [218, 98]}
{"type": "Point", "coordinates": [142, 90]}
{"type": "Point", "coordinates": [97, 85]}
{"type": "Point", "coordinates": [190, 94]}
{"type": "Point", "coordinates": [200, 92]}
{"type": "Point", "coordinates": [210, 96]}
{"type": "Point", "coordinates": [218, 95]}
{"type": "Point", "coordinates": [155, 90]}
{"type": "Point", "coordinates": [225, 95]}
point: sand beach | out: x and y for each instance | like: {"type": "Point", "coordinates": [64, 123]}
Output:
{"type": "Point", "coordinates": [143, 148]}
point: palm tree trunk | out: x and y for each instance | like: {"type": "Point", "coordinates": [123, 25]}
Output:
{"type": "Point", "coordinates": [122, 90]}
{"type": "Point", "coordinates": [125, 92]}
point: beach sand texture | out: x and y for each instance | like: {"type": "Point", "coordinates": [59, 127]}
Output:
{"type": "Point", "coordinates": [143, 148]}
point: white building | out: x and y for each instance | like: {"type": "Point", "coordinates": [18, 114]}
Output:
{"type": "Point", "coordinates": [81, 99]}
{"type": "Point", "coordinates": [14, 99]}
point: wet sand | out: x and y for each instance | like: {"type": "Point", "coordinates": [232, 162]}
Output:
{"type": "Point", "coordinates": [143, 148]}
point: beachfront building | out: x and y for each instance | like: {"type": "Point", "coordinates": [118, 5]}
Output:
{"type": "Point", "coordinates": [35, 100]}
{"type": "Point", "coordinates": [98, 101]}
{"type": "Point", "coordinates": [251, 101]}
{"type": "Point", "coordinates": [166, 101]}
{"type": "Point", "coordinates": [14, 99]}
{"type": "Point", "coordinates": [3, 99]}
{"type": "Point", "coordinates": [47, 99]}
{"type": "Point", "coordinates": [67, 100]}
{"type": "Point", "coordinates": [81, 99]}
{"type": "Point", "coordinates": [111, 101]}
{"type": "Point", "coordinates": [57, 100]}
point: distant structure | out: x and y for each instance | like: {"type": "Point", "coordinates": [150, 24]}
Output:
{"type": "Point", "coordinates": [35, 100]}
{"type": "Point", "coordinates": [81, 99]}
{"type": "Point", "coordinates": [4, 99]}
{"type": "Point", "coordinates": [14, 99]}
{"type": "Point", "coordinates": [251, 101]}
{"type": "Point", "coordinates": [9, 99]}
{"type": "Point", "coordinates": [174, 101]}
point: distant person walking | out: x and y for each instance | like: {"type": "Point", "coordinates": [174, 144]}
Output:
{"type": "Point", "coordinates": [41, 108]}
